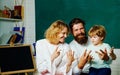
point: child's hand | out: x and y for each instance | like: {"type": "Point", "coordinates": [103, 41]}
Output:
{"type": "Point", "coordinates": [103, 54]}
{"type": "Point", "coordinates": [112, 54]}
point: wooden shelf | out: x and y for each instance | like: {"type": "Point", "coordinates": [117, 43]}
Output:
{"type": "Point", "coordinates": [10, 19]}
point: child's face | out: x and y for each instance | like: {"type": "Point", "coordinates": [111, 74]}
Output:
{"type": "Point", "coordinates": [96, 40]}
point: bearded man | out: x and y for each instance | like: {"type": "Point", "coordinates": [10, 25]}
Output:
{"type": "Point", "coordinates": [79, 45]}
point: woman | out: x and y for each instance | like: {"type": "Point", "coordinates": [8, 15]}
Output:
{"type": "Point", "coordinates": [53, 55]}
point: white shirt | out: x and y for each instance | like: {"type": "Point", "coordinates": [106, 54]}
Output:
{"type": "Point", "coordinates": [78, 51]}
{"type": "Point", "coordinates": [96, 62]}
{"type": "Point", "coordinates": [44, 51]}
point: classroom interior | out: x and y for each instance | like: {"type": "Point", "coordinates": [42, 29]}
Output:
{"type": "Point", "coordinates": [37, 15]}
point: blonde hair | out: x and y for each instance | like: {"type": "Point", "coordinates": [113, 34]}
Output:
{"type": "Point", "coordinates": [55, 28]}
{"type": "Point", "coordinates": [98, 30]}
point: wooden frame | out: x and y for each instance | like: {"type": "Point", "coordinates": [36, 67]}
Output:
{"type": "Point", "coordinates": [16, 59]}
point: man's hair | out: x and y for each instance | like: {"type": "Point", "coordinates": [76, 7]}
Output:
{"type": "Point", "coordinates": [75, 21]}
{"type": "Point", "coordinates": [55, 28]}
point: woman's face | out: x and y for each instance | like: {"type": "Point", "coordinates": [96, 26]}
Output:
{"type": "Point", "coordinates": [62, 35]}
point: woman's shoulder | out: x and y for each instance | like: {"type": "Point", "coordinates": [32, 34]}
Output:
{"type": "Point", "coordinates": [41, 41]}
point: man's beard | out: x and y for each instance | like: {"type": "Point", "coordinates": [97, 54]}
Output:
{"type": "Point", "coordinates": [82, 39]}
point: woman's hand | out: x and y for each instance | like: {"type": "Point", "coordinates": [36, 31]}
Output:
{"type": "Point", "coordinates": [44, 72]}
{"type": "Point", "coordinates": [59, 73]}
{"type": "Point", "coordinates": [70, 56]}
{"type": "Point", "coordinates": [55, 54]}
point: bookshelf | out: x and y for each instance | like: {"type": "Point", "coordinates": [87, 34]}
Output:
{"type": "Point", "coordinates": [10, 19]}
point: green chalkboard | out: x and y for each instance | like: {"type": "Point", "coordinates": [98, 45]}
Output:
{"type": "Point", "coordinates": [105, 12]}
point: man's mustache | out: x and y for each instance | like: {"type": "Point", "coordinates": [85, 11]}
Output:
{"type": "Point", "coordinates": [81, 34]}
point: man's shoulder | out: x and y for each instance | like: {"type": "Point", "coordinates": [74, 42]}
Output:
{"type": "Point", "coordinates": [65, 44]}
{"type": "Point", "coordinates": [73, 41]}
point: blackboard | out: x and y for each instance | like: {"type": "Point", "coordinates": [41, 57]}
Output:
{"type": "Point", "coordinates": [16, 59]}
{"type": "Point", "coordinates": [104, 12]}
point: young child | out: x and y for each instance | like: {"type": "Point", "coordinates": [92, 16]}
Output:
{"type": "Point", "coordinates": [100, 66]}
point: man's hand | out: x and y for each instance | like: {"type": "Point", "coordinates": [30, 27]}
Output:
{"type": "Point", "coordinates": [103, 55]}
{"type": "Point", "coordinates": [83, 59]}
{"type": "Point", "coordinates": [90, 58]}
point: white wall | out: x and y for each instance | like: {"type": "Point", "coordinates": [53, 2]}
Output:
{"type": "Point", "coordinates": [28, 21]}
{"type": "Point", "coordinates": [115, 66]}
